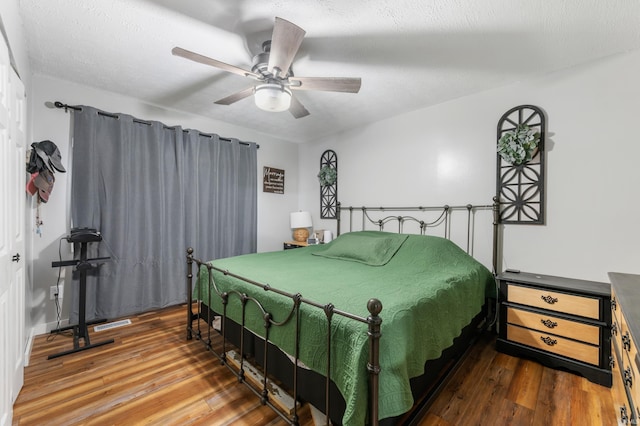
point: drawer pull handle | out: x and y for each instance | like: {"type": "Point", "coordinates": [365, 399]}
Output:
{"type": "Point", "coordinates": [550, 300]}
{"type": "Point", "coordinates": [548, 323]}
{"type": "Point", "coordinates": [628, 379]}
{"type": "Point", "coordinates": [614, 329]}
{"type": "Point", "coordinates": [626, 342]}
{"type": "Point", "coordinates": [548, 340]}
{"type": "Point", "coordinates": [624, 419]}
{"type": "Point", "coordinates": [612, 362]}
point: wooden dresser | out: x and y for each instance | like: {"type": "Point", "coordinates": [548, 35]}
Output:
{"type": "Point", "coordinates": [560, 322]}
{"type": "Point", "coordinates": [625, 331]}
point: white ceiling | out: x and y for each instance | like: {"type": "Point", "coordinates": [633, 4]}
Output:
{"type": "Point", "coordinates": [409, 53]}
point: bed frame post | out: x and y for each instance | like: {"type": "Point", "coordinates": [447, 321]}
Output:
{"type": "Point", "coordinates": [374, 306]}
{"type": "Point", "coordinates": [189, 292]}
{"type": "Point", "coordinates": [496, 235]}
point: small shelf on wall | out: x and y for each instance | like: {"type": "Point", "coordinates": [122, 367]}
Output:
{"type": "Point", "coordinates": [329, 193]}
{"type": "Point", "coordinates": [520, 188]}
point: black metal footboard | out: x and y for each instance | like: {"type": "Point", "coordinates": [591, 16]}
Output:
{"type": "Point", "coordinates": [373, 322]}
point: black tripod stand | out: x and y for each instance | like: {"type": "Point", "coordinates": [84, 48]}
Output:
{"type": "Point", "coordinates": [83, 236]}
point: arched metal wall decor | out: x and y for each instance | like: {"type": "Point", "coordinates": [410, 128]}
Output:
{"type": "Point", "coordinates": [520, 188]}
{"type": "Point", "coordinates": [329, 193]}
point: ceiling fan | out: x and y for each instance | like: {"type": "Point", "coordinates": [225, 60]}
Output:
{"type": "Point", "coordinates": [271, 70]}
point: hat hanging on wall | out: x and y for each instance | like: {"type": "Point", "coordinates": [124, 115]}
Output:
{"type": "Point", "coordinates": [50, 155]}
{"type": "Point", "coordinates": [44, 182]}
{"type": "Point", "coordinates": [44, 161]}
{"type": "Point", "coordinates": [31, 186]}
{"type": "Point", "coordinates": [35, 163]}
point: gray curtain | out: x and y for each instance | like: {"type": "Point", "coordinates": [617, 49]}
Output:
{"type": "Point", "coordinates": [152, 191]}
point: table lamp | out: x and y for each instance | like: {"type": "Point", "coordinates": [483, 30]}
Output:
{"type": "Point", "coordinates": [300, 223]}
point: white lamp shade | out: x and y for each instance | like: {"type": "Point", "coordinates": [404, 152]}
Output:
{"type": "Point", "coordinates": [301, 220]}
{"type": "Point", "coordinates": [272, 97]}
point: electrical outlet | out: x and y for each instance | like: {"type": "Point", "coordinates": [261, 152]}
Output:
{"type": "Point", "coordinates": [53, 290]}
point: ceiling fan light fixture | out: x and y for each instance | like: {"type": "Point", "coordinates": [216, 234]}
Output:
{"type": "Point", "coordinates": [272, 97]}
{"type": "Point", "coordinates": [273, 74]}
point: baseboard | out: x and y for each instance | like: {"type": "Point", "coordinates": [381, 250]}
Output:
{"type": "Point", "coordinates": [29, 346]}
{"type": "Point", "coordinates": [46, 328]}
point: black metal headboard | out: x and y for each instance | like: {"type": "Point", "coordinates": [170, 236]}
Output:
{"type": "Point", "coordinates": [419, 220]}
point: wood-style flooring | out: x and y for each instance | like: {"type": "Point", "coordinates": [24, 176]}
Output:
{"type": "Point", "coordinates": [153, 375]}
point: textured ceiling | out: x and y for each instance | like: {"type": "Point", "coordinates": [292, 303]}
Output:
{"type": "Point", "coordinates": [409, 54]}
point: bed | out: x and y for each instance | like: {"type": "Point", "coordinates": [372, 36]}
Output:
{"type": "Point", "coordinates": [307, 317]}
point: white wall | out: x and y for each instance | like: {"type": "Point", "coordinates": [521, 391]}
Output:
{"type": "Point", "coordinates": [54, 124]}
{"type": "Point", "coordinates": [446, 155]}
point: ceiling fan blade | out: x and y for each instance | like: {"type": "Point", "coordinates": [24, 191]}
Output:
{"type": "Point", "coordinates": [328, 84]}
{"type": "Point", "coordinates": [196, 57]}
{"type": "Point", "coordinates": [285, 42]}
{"type": "Point", "coordinates": [236, 96]}
{"type": "Point", "coordinates": [297, 109]}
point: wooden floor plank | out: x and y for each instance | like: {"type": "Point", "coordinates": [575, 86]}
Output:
{"type": "Point", "coordinates": [454, 400]}
{"type": "Point", "coordinates": [152, 375]}
{"type": "Point", "coordinates": [524, 388]}
{"type": "Point", "coordinates": [492, 392]}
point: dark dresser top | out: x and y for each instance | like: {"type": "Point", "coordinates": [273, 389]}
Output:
{"type": "Point", "coordinates": [627, 289]}
{"type": "Point", "coordinates": [560, 283]}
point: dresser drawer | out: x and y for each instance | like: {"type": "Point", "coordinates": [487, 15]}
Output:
{"type": "Point", "coordinates": [583, 306]}
{"type": "Point", "coordinates": [615, 309]}
{"type": "Point", "coordinates": [627, 341]}
{"type": "Point", "coordinates": [616, 324]}
{"type": "Point", "coordinates": [629, 350]}
{"type": "Point", "coordinates": [554, 344]}
{"type": "Point", "coordinates": [616, 338]}
{"type": "Point", "coordinates": [551, 324]}
{"type": "Point", "coordinates": [630, 377]}
{"type": "Point", "coordinates": [618, 392]}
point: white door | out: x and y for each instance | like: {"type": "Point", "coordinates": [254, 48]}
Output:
{"type": "Point", "coordinates": [12, 239]}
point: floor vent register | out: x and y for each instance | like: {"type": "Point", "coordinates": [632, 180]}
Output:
{"type": "Point", "coordinates": [111, 325]}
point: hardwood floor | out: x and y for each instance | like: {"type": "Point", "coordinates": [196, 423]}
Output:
{"type": "Point", "coordinates": [153, 375]}
{"type": "Point", "coordinates": [492, 388]}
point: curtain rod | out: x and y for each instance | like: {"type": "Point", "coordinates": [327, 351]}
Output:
{"type": "Point", "coordinates": [67, 107]}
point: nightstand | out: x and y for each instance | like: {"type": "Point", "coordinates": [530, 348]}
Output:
{"type": "Point", "coordinates": [560, 322]}
{"type": "Point", "coordinates": [293, 245]}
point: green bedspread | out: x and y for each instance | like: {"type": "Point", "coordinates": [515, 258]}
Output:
{"type": "Point", "coordinates": [429, 288]}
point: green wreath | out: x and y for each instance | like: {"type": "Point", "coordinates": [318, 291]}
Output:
{"type": "Point", "coordinates": [517, 146]}
{"type": "Point", "coordinates": [327, 176]}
